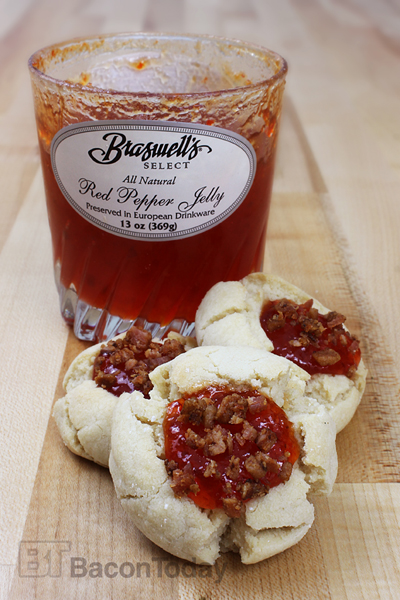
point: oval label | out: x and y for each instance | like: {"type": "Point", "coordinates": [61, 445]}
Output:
{"type": "Point", "coordinates": [152, 180]}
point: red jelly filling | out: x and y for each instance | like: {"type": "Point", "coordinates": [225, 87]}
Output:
{"type": "Point", "coordinates": [317, 343]}
{"type": "Point", "coordinates": [224, 447]}
{"type": "Point", "coordinates": [124, 365]}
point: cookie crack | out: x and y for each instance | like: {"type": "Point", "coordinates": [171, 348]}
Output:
{"type": "Point", "coordinates": [82, 451]}
{"type": "Point", "coordinates": [228, 312]}
{"type": "Point", "coordinates": [146, 421]}
{"type": "Point", "coordinates": [153, 424]}
{"type": "Point", "coordinates": [149, 495]}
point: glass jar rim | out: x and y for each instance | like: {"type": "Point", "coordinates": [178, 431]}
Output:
{"type": "Point", "coordinates": [249, 46]}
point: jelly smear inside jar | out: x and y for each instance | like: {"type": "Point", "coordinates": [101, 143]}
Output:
{"type": "Point", "coordinates": [317, 343]}
{"type": "Point", "coordinates": [224, 447]}
{"type": "Point", "coordinates": [124, 365]}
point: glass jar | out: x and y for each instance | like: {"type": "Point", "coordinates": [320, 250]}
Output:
{"type": "Point", "coordinates": [158, 157]}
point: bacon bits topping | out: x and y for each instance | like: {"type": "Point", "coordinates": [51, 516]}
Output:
{"type": "Point", "coordinates": [217, 441]}
{"type": "Point", "coordinates": [326, 357]}
{"type": "Point", "coordinates": [211, 470]}
{"type": "Point", "coordinates": [232, 409]}
{"type": "Point", "coordinates": [266, 439]}
{"type": "Point", "coordinates": [193, 410]}
{"type": "Point", "coordinates": [317, 343]}
{"type": "Point", "coordinates": [259, 464]}
{"type": "Point", "coordinates": [227, 446]}
{"type": "Point", "coordinates": [233, 507]}
{"type": "Point", "coordinates": [183, 481]}
{"type": "Point", "coordinates": [233, 469]}
{"type": "Point", "coordinates": [124, 365]}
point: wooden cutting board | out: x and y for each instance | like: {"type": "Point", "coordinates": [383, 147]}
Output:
{"type": "Point", "coordinates": [80, 544]}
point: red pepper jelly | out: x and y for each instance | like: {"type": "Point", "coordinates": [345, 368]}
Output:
{"type": "Point", "coordinates": [224, 447]}
{"type": "Point", "coordinates": [144, 218]}
{"type": "Point", "coordinates": [317, 343]}
{"type": "Point", "coordinates": [124, 365]}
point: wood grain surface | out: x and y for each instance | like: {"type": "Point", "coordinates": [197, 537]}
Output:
{"type": "Point", "coordinates": [333, 231]}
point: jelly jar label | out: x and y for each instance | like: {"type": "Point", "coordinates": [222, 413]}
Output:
{"type": "Point", "coordinates": [152, 180]}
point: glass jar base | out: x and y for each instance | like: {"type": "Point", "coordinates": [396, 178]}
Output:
{"type": "Point", "coordinates": [94, 324]}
